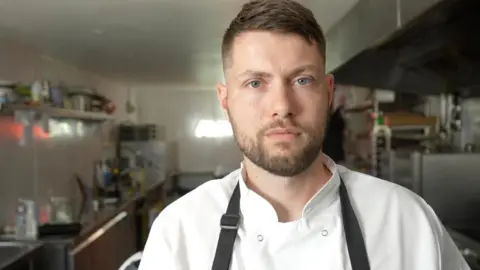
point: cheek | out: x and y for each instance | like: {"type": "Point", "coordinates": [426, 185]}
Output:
{"type": "Point", "coordinates": [245, 106]}
{"type": "Point", "coordinates": [243, 114]}
{"type": "Point", "coordinates": [247, 122]}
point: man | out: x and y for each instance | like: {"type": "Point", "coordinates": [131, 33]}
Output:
{"type": "Point", "coordinates": [290, 206]}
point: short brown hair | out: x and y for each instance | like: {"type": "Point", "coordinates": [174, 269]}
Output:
{"type": "Point", "coordinates": [282, 16]}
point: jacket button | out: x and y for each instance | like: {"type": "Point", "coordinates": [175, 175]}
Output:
{"type": "Point", "coordinates": [324, 232]}
{"type": "Point", "coordinates": [260, 238]}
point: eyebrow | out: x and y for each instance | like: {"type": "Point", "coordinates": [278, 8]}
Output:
{"type": "Point", "coordinates": [255, 73]}
{"type": "Point", "coordinates": [263, 74]}
{"type": "Point", "coordinates": [308, 67]}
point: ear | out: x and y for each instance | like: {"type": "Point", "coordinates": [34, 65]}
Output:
{"type": "Point", "coordinates": [222, 96]}
{"type": "Point", "coordinates": [330, 85]}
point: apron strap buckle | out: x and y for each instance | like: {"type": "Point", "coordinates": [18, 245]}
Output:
{"type": "Point", "coordinates": [230, 221]}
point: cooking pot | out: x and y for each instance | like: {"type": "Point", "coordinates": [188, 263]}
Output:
{"type": "Point", "coordinates": [81, 101]}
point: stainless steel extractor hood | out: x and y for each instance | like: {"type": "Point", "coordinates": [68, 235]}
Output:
{"type": "Point", "coordinates": [421, 46]}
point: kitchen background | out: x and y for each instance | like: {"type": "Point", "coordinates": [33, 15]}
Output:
{"type": "Point", "coordinates": [156, 62]}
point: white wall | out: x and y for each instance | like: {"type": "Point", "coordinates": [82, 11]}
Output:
{"type": "Point", "coordinates": [179, 111]}
{"type": "Point", "coordinates": [21, 62]}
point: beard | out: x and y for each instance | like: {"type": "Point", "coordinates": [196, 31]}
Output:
{"type": "Point", "coordinates": [290, 164]}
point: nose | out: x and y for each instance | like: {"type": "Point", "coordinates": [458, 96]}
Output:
{"type": "Point", "coordinates": [282, 102]}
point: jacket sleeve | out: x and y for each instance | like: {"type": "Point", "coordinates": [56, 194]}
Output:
{"type": "Point", "coordinates": [159, 250]}
{"type": "Point", "coordinates": [450, 256]}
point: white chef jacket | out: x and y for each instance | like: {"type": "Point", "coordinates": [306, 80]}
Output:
{"type": "Point", "coordinates": [401, 231]}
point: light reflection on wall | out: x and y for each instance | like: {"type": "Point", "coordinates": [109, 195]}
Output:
{"type": "Point", "coordinates": [10, 129]}
{"type": "Point", "coordinates": [213, 129]}
{"type": "Point", "coordinates": [65, 128]}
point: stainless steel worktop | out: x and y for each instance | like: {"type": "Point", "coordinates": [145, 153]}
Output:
{"type": "Point", "coordinates": [16, 255]}
{"type": "Point", "coordinates": [469, 248]}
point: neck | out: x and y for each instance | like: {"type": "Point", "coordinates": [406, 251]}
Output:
{"type": "Point", "coordinates": [287, 195]}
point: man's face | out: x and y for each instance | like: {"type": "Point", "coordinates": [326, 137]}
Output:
{"type": "Point", "coordinates": [277, 98]}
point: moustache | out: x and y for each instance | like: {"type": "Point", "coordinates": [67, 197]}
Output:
{"type": "Point", "coordinates": [283, 125]}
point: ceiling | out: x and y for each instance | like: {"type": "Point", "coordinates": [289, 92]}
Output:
{"type": "Point", "coordinates": [139, 41]}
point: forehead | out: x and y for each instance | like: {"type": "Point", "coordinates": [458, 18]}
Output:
{"type": "Point", "coordinates": [273, 52]}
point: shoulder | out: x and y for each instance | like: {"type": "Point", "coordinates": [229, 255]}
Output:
{"type": "Point", "coordinates": [394, 205]}
{"type": "Point", "coordinates": [376, 199]}
{"type": "Point", "coordinates": [370, 188]}
{"type": "Point", "coordinates": [181, 226]}
{"type": "Point", "coordinates": [207, 200]}
{"type": "Point", "coordinates": [395, 214]}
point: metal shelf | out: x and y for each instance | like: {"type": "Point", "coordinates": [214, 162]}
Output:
{"type": "Point", "coordinates": [413, 137]}
{"type": "Point", "coordinates": [359, 108]}
{"type": "Point", "coordinates": [409, 127]}
{"type": "Point", "coordinates": [60, 112]}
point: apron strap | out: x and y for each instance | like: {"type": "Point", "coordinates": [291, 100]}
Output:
{"type": "Point", "coordinates": [353, 234]}
{"type": "Point", "coordinates": [230, 222]}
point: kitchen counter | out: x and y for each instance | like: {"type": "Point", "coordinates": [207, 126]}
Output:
{"type": "Point", "coordinates": [112, 228]}
{"type": "Point", "coordinates": [92, 220]}
{"type": "Point", "coordinates": [18, 255]}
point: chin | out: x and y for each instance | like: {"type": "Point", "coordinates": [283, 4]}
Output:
{"type": "Point", "coordinates": [284, 154]}
{"type": "Point", "coordinates": [286, 148]}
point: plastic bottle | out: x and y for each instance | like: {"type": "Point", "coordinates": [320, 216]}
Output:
{"type": "Point", "coordinates": [36, 92]}
{"type": "Point", "coordinates": [26, 225]}
{"type": "Point", "coordinates": [21, 220]}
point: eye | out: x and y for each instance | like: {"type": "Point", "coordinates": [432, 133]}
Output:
{"type": "Point", "coordinates": [304, 81]}
{"type": "Point", "coordinates": [254, 84]}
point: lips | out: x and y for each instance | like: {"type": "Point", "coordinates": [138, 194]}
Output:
{"type": "Point", "coordinates": [282, 131]}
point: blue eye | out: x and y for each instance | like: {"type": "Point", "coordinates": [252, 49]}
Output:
{"type": "Point", "coordinates": [303, 81]}
{"type": "Point", "coordinates": [254, 84]}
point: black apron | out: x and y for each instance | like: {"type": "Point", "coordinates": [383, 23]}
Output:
{"type": "Point", "coordinates": [230, 222]}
